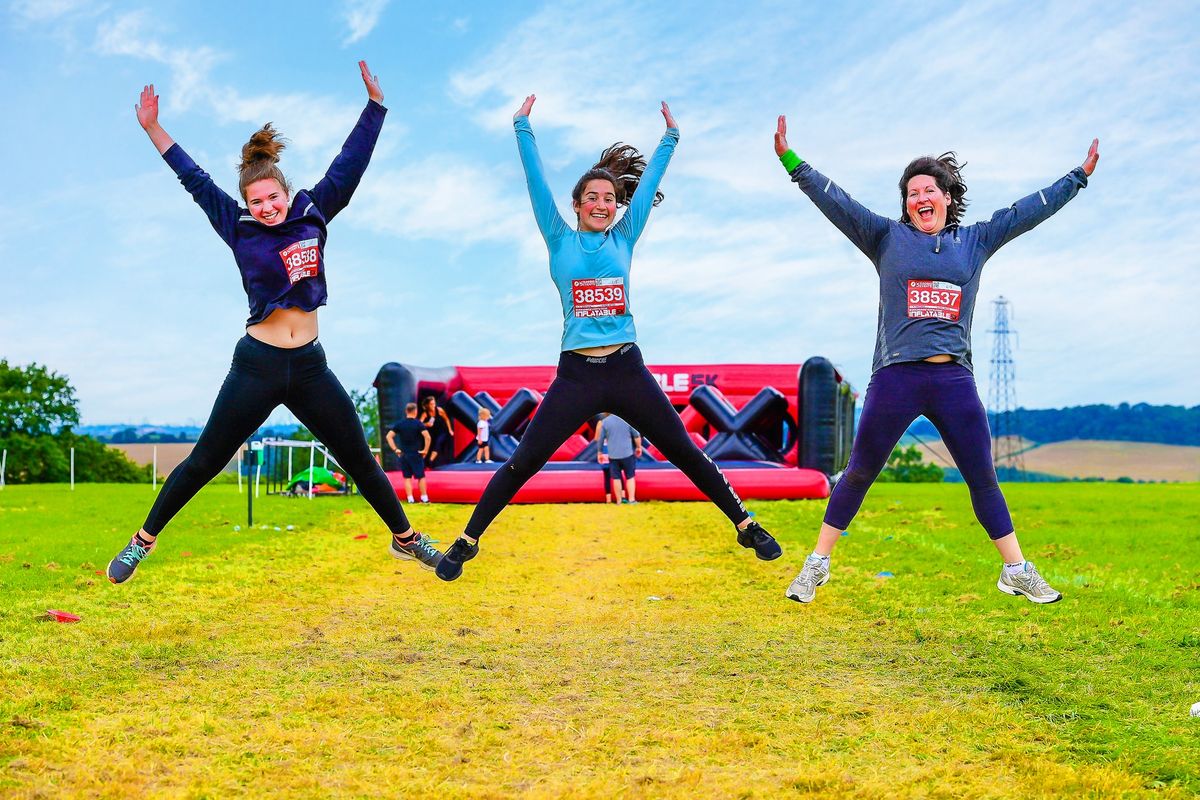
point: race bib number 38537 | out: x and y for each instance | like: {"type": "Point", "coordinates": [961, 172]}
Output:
{"type": "Point", "coordinates": [302, 259]}
{"type": "Point", "coordinates": [934, 300]}
{"type": "Point", "coordinates": [598, 297]}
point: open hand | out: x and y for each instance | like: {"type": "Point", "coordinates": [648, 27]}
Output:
{"type": "Point", "coordinates": [147, 108]}
{"type": "Point", "coordinates": [526, 107]}
{"type": "Point", "coordinates": [1089, 163]}
{"type": "Point", "coordinates": [781, 145]}
{"type": "Point", "coordinates": [666, 112]}
{"type": "Point", "coordinates": [371, 82]}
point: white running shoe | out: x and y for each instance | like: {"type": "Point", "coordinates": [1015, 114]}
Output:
{"type": "Point", "coordinates": [1028, 583]}
{"type": "Point", "coordinates": [804, 588]}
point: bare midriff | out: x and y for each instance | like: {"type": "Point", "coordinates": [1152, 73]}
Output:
{"type": "Point", "coordinates": [940, 358]}
{"type": "Point", "coordinates": [286, 327]}
{"type": "Point", "coordinates": [603, 350]}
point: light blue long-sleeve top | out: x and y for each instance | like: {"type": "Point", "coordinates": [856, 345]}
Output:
{"type": "Point", "coordinates": [591, 269]}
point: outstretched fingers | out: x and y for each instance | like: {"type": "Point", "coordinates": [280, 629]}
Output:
{"type": "Point", "coordinates": [371, 82]}
{"type": "Point", "coordinates": [1089, 163]}
{"type": "Point", "coordinates": [526, 107]}
{"type": "Point", "coordinates": [781, 145]}
{"type": "Point", "coordinates": [146, 108]}
{"type": "Point", "coordinates": [666, 112]}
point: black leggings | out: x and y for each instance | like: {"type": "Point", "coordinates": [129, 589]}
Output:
{"type": "Point", "coordinates": [262, 377]}
{"type": "Point", "coordinates": [583, 387]}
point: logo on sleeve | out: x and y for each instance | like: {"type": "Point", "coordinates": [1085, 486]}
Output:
{"type": "Point", "coordinates": [302, 260]}
{"type": "Point", "coordinates": [598, 297]}
{"type": "Point", "coordinates": [934, 300]}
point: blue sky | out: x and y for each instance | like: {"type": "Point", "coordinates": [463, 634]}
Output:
{"type": "Point", "coordinates": [113, 277]}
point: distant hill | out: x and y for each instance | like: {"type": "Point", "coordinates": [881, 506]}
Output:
{"type": "Point", "coordinates": [165, 434]}
{"type": "Point", "coordinates": [1092, 460]}
{"type": "Point", "coordinates": [1141, 422]}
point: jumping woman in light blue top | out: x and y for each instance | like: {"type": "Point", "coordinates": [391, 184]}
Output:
{"type": "Point", "coordinates": [601, 367]}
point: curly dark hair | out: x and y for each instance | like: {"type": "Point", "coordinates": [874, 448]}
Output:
{"type": "Point", "coordinates": [947, 174]}
{"type": "Point", "coordinates": [621, 165]}
{"type": "Point", "coordinates": [260, 159]}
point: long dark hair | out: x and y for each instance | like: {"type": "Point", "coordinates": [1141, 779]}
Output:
{"type": "Point", "coordinates": [622, 166]}
{"type": "Point", "coordinates": [260, 159]}
{"type": "Point", "coordinates": [947, 174]}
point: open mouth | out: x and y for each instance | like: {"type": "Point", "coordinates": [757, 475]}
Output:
{"type": "Point", "coordinates": [270, 217]}
{"type": "Point", "coordinates": [925, 213]}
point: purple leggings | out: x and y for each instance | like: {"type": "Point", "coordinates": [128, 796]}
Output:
{"type": "Point", "coordinates": [946, 395]}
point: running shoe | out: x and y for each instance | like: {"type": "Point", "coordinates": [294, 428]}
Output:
{"type": "Point", "coordinates": [417, 549]}
{"type": "Point", "coordinates": [451, 565]}
{"type": "Point", "coordinates": [1029, 583]}
{"type": "Point", "coordinates": [121, 568]}
{"type": "Point", "coordinates": [814, 573]}
{"type": "Point", "coordinates": [764, 544]}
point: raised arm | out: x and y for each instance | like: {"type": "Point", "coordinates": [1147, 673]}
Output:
{"type": "Point", "coordinates": [1029, 212]}
{"type": "Point", "coordinates": [634, 220]}
{"type": "Point", "coordinates": [549, 221]}
{"type": "Point", "coordinates": [333, 192]}
{"type": "Point", "coordinates": [858, 223]}
{"type": "Point", "coordinates": [221, 209]}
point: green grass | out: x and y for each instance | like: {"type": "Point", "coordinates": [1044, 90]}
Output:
{"type": "Point", "coordinates": [599, 651]}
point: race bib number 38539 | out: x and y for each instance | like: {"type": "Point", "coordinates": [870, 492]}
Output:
{"type": "Point", "coordinates": [934, 300]}
{"type": "Point", "coordinates": [302, 259]}
{"type": "Point", "coordinates": [598, 297]}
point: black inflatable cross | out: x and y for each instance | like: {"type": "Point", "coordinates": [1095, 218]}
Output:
{"type": "Point", "coordinates": [505, 419]}
{"type": "Point", "coordinates": [736, 438]}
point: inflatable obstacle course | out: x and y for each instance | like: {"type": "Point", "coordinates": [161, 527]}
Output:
{"type": "Point", "coordinates": [778, 431]}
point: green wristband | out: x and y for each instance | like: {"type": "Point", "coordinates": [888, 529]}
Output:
{"type": "Point", "coordinates": [790, 160]}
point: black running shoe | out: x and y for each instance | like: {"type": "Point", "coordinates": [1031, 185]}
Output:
{"type": "Point", "coordinates": [451, 565]}
{"type": "Point", "coordinates": [121, 568]}
{"type": "Point", "coordinates": [764, 544]}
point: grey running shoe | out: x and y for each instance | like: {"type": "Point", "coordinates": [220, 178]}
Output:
{"type": "Point", "coordinates": [121, 568]}
{"type": "Point", "coordinates": [1028, 583]}
{"type": "Point", "coordinates": [814, 573]}
{"type": "Point", "coordinates": [418, 549]}
{"type": "Point", "coordinates": [764, 544]}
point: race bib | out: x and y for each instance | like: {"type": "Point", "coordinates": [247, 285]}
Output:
{"type": "Point", "coordinates": [934, 300]}
{"type": "Point", "coordinates": [302, 259]}
{"type": "Point", "coordinates": [598, 297]}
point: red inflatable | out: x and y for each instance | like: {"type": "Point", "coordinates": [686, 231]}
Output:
{"type": "Point", "coordinates": [756, 421]}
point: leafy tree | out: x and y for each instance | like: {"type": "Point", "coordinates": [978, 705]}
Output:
{"type": "Point", "coordinates": [35, 401]}
{"type": "Point", "coordinates": [367, 405]}
{"type": "Point", "coordinates": [905, 466]}
{"type": "Point", "coordinates": [38, 408]}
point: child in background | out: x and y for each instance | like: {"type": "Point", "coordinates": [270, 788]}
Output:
{"type": "Point", "coordinates": [483, 437]}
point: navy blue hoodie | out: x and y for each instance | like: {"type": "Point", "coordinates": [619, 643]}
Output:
{"type": "Point", "coordinates": [283, 266]}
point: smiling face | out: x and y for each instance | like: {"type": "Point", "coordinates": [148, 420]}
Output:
{"type": "Point", "coordinates": [926, 204]}
{"type": "Point", "coordinates": [267, 201]}
{"type": "Point", "coordinates": [597, 205]}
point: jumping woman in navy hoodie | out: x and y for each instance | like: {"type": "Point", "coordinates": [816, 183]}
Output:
{"type": "Point", "coordinates": [929, 268]}
{"type": "Point", "coordinates": [278, 242]}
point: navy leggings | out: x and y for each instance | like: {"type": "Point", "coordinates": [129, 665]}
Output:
{"type": "Point", "coordinates": [946, 395]}
{"type": "Point", "coordinates": [583, 387]}
{"type": "Point", "coordinates": [262, 377]}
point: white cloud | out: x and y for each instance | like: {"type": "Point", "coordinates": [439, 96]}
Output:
{"type": "Point", "coordinates": [361, 17]}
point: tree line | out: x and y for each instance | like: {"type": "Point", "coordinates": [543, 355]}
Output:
{"type": "Point", "coordinates": [1140, 422]}
{"type": "Point", "coordinates": [38, 411]}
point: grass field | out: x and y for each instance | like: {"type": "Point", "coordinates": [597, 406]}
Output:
{"type": "Point", "coordinates": [601, 652]}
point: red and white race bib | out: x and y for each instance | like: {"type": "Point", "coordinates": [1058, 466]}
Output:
{"type": "Point", "coordinates": [302, 259]}
{"type": "Point", "coordinates": [934, 300]}
{"type": "Point", "coordinates": [598, 297]}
